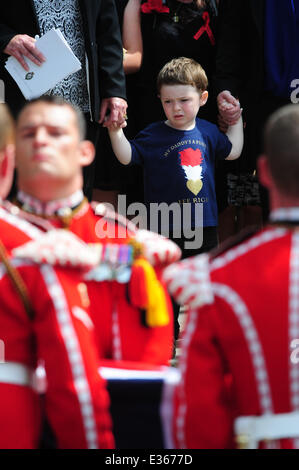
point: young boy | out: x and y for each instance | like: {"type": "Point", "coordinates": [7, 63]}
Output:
{"type": "Point", "coordinates": [178, 155]}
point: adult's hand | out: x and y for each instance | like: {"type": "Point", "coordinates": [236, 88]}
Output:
{"type": "Point", "coordinates": [117, 116]}
{"type": "Point", "coordinates": [229, 108]}
{"type": "Point", "coordinates": [21, 46]}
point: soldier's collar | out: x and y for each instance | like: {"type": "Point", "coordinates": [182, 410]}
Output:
{"type": "Point", "coordinates": [59, 207]}
{"type": "Point", "coordinates": [287, 215]}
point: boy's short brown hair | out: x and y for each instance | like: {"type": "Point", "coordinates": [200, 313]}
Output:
{"type": "Point", "coordinates": [183, 71]}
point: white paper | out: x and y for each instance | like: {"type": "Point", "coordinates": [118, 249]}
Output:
{"type": "Point", "coordinates": [60, 63]}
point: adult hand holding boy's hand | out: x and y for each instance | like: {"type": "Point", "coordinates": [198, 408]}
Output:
{"type": "Point", "coordinates": [114, 126]}
{"type": "Point", "coordinates": [117, 112]}
{"type": "Point", "coordinates": [230, 122]}
{"type": "Point", "coordinates": [229, 109]}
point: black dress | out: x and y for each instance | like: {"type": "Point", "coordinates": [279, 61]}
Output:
{"type": "Point", "coordinates": [170, 35]}
{"type": "Point", "coordinates": [110, 174]}
{"type": "Point", "coordinates": [163, 40]}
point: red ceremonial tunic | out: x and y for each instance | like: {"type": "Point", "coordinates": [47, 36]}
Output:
{"type": "Point", "coordinates": [237, 344]}
{"type": "Point", "coordinates": [59, 334]}
{"type": "Point", "coordinates": [120, 331]}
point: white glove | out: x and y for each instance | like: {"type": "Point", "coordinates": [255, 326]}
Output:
{"type": "Point", "coordinates": [189, 281]}
{"type": "Point", "coordinates": [59, 248]}
{"type": "Point", "coordinates": [158, 250]}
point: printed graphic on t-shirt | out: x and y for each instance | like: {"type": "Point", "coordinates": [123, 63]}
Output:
{"type": "Point", "coordinates": [191, 160]}
{"type": "Point", "coordinates": [179, 166]}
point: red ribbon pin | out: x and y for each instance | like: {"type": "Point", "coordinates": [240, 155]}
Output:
{"type": "Point", "coordinates": [205, 28]}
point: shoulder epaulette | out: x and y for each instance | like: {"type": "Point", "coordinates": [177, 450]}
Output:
{"type": "Point", "coordinates": [105, 211]}
{"type": "Point", "coordinates": [59, 248]}
{"type": "Point", "coordinates": [233, 241]}
{"type": "Point", "coordinates": [188, 281]}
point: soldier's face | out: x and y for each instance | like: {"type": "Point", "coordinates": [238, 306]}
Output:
{"type": "Point", "coordinates": [48, 146]}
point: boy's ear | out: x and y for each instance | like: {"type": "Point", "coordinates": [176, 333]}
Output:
{"type": "Point", "coordinates": [87, 152]}
{"type": "Point", "coordinates": [204, 97]}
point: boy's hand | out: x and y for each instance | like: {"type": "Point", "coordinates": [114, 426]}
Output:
{"type": "Point", "coordinates": [114, 126]}
{"type": "Point", "coordinates": [229, 109]}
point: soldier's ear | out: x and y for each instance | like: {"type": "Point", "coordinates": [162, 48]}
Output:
{"type": "Point", "coordinates": [7, 164]}
{"type": "Point", "coordinates": [264, 172]}
{"type": "Point", "coordinates": [87, 150]}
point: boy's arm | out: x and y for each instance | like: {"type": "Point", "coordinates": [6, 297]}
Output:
{"type": "Point", "coordinates": [120, 145]}
{"type": "Point", "coordinates": [236, 137]}
{"type": "Point", "coordinates": [231, 122]}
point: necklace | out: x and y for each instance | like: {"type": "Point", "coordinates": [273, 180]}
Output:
{"type": "Point", "coordinates": [176, 17]}
{"type": "Point", "coordinates": [187, 12]}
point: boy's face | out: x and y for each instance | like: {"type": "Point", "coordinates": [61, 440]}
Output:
{"type": "Point", "coordinates": [181, 104]}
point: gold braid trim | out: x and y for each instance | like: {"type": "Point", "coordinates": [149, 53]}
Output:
{"type": "Point", "coordinates": [17, 281]}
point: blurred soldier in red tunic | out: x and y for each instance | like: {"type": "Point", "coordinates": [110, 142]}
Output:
{"type": "Point", "coordinates": [238, 357]}
{"type": "Point", "coordinates": [43, 317]}
{"type": "Point", "coordinates": [51, 152]}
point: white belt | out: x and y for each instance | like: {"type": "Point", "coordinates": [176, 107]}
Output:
{"type": "Point", "coordinates": [16, 374]}
{"type": "Point", "coordinates": [250, 430]}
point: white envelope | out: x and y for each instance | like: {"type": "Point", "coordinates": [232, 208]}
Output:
{"type": "Point", "coordinates": [60, 63]}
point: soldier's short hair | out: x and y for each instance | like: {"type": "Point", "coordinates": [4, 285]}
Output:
{"type": "Point", "coordinates": [7, 127]}
{"type": "Point", "coordinates": [281, 143]}
{"type": "Point", "coordinates": [59, 101]}
{"type": "Point", "coordinates": [183, 71]}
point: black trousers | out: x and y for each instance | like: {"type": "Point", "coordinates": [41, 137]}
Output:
{"type": "Point", "coordinates": [210, 241]}
{"type": "Point", "coordinates": [92, 133]}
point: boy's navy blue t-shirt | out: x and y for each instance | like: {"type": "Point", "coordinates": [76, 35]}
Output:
{"type": "Point", "coordinates": [179, 165]}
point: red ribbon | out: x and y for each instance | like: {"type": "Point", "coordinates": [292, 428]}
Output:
{"type": "Point", "coordinates": [205, 28]}
{"type": "Point", "coordinates": [154, 5]}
